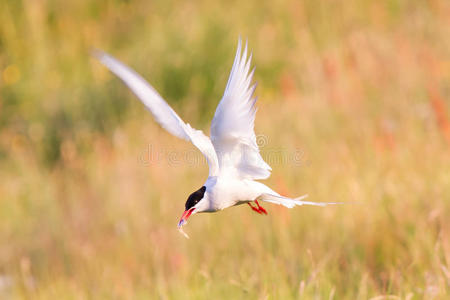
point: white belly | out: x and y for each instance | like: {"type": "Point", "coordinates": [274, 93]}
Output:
{"type": "Point", "coordinates": [223, 192]}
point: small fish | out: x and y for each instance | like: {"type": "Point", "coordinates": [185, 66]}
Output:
{"type": "Point", "coordinates": [180, 229]}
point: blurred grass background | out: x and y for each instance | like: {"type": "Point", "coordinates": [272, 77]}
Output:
{"type": "Point", "coordinates": [353, 104]}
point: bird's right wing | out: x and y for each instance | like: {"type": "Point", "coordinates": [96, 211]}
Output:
{"type": "Point", "coordinates": [160, 110]}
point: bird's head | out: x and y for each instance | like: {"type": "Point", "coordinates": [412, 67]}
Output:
{"type": "Point", "coordinates": [195, 203]}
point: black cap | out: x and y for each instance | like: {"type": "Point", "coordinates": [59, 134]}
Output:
{"type": "Point", "coordinates": [195, 197]}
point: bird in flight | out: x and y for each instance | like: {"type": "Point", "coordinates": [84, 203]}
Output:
{"type": "Point", "coordinates": [232, 152]}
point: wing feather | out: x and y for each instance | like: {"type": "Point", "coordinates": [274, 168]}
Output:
{"type": "Point", "coordinates": [232, 128]}
{"type": "Point", "coordinates": [160, 110]}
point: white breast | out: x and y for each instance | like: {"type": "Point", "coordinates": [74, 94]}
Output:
{"type": "Point", "coordinates": [223, 192]}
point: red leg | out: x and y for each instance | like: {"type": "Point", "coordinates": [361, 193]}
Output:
{"type": "Point", "coordinates": [254, 208]}
{"type": "Point", "coordinates": [260, 208]}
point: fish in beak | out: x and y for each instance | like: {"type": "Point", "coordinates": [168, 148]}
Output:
{"type": "Point", "coordinates": [183, 220]}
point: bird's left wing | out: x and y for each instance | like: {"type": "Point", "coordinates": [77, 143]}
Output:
{"type": "Point", "coordinates": [232, 132]}
{"type": "Point", "coordinates": [160, 110]}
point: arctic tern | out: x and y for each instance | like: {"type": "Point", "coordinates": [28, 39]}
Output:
{"type": "Point", "coordinates": [232, 152]}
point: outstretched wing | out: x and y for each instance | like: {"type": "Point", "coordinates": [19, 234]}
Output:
{"type": "Point", "coordinates": [232, 129]}
{"type": "Point", "coordinates": [161, 111]}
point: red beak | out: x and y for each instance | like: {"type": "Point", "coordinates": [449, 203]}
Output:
{"type": "Point", "coordinates": [185, 216]}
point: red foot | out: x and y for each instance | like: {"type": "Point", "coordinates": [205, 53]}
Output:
{"type": "Point", "coordinates": [260, 210]}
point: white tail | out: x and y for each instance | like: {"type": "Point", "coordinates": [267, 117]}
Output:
{"type": "Point", "coordinates": [289, 202]}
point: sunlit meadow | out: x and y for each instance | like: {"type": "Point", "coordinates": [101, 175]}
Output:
{"type": "Point", "coordinates": [354, 101]}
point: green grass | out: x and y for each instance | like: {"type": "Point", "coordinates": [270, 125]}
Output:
{"type": "Point", "coordinates": [353, 105]}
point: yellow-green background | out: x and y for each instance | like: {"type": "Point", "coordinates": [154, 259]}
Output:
{"type": "Point", "coordinates": [354, 107]}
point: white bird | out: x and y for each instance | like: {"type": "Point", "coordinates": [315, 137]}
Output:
{"type": "Point", "coordinates": [231, 152]}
